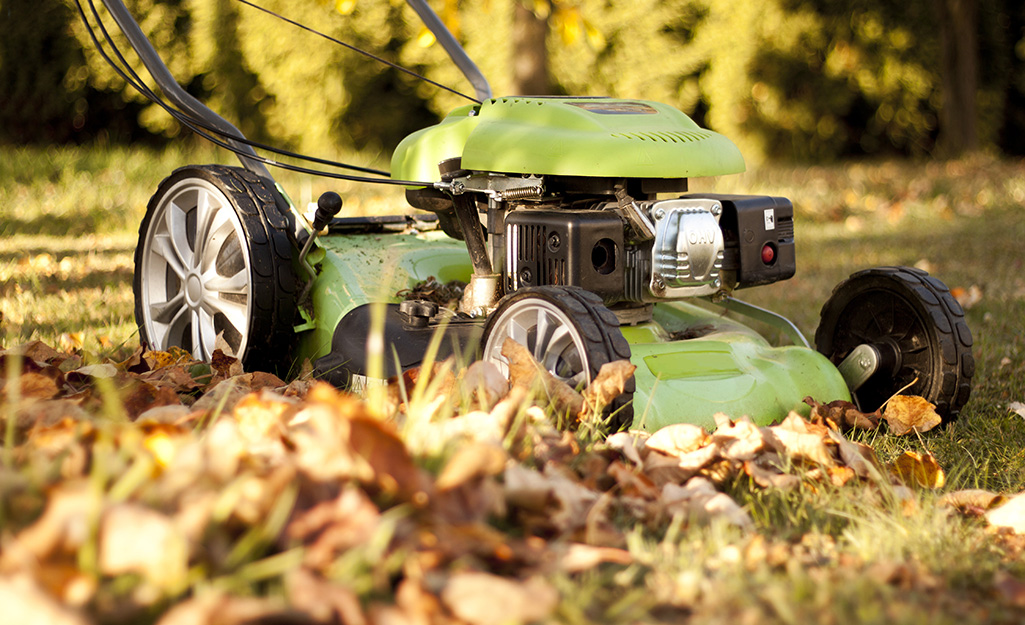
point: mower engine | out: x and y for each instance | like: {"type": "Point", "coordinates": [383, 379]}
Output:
{"type": "Point", "coordinates": [652, 250]}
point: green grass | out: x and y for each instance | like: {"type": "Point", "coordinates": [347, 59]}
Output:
{"type": "Point", "coordinates": [67, 236]}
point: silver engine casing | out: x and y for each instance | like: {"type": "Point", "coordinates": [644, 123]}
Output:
{"type": "Point", "coordinates": [688, 250]}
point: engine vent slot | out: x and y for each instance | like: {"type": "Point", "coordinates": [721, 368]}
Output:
{"type": "Point", "coordinates": [664, 136]}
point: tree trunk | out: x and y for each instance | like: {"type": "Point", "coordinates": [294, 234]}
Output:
{"type": "Point", "coordinates": [530, 53]}
{"type": "Point", "coordinates": [960, 75]}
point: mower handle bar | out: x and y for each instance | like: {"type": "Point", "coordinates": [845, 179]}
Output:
{"type": "Point", "coordinates": [183, 100]}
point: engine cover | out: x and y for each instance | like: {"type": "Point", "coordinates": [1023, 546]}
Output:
{"type": "Point", "coordinates": [571, 247]}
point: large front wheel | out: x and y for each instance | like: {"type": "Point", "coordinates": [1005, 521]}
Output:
{"type": "Point", "coordinates": [569, 332]}
{"type": "Point", "coordinates": [214, 263]}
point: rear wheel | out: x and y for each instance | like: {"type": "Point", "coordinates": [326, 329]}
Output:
{"type": "Point", "coordinates": [917, 328]}
{"type": "Point", "coordinates": [569, 332]}
{"type": "Point", "coordinates": [214, 259]}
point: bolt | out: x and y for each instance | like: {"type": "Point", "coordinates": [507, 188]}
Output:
{"type": "Point", "coordinates": [659, 213]}
{"type": "Point", "coordinates": [864, 363]}
{"type": "Point", "coordinates": [657, 284]}
{"type": "Point", "coordinates": [716, 210]}
{"type": "Point", "coordinates": [717, 283]}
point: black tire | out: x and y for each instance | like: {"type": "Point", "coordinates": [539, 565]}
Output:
{"type": "Point", "coordinates": [589, 321]}
{"type": "Point", "coordinates": [241, 283]}
{"type": "Point", "coordinates": [917, 326]}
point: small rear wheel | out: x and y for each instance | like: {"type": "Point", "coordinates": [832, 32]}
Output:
{"type": "Point", "coordinates": [915, 325]}
{"type": "Point", "coordinates": [214, 259]}
{"type": "Point", "coordinates": [569, 332]}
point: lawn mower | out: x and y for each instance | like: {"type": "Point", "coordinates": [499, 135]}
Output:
{"type": "Point", "coordinates": [564, 223]}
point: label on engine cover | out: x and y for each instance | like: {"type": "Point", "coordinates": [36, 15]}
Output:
{"type": "Point", "coordinates": [770, 219]}
{"type": "Point", "coordinates": [616, 108]}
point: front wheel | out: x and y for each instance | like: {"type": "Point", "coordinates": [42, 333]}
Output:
{"type": "Point", "coordinates": [214, 261]}
{"type": "Point", "coordinates": [568, 331]}
{"type": "Point", "coordinates": [914, 324]}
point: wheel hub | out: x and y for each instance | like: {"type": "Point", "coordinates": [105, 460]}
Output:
{"type": "Point", "coordinates": [193, 290]}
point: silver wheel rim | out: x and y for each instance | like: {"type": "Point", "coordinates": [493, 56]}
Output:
{"type": "Point", "coordinates": [195, 279]}
{"type": "Point", "coordinates": [547, 332]}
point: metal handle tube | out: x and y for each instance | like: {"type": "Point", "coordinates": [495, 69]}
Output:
{"type": "Point", "coordinates": [452, 47]}
{"type": "Point", "coordinates": [174, 92]}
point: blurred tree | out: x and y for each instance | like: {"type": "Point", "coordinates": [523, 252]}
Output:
{"type": "Point", "coordinates": [960, 74]}
{"type": "Point", "coordinates": [530, 47]}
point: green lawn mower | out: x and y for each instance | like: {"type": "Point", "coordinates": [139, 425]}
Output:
{"type": "Point", "coordinates": [568, 220]}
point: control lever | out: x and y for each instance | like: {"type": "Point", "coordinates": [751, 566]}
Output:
{"type": "Point", "coordinates": [328, 205]}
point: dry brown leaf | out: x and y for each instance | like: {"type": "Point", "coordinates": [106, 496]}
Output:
{"type": "Point", "coordinates": [469, 462]}
{"type": "Point", "coordinates": [677, 439]}
{"type": "Point", "coordinates": [33, 385]}
{"type": "Point", "coordinates": [26, 603]}
{"type": "Point", "coordinates": [484, 384]}
{"type": "Point", "coordinates": [380, 446]}
{"type": "Point", "coordinates": [135, 539]}
{"type": "Point", "coordinates": [331, 527]}
{"type": "Point", "coordinates": [801, 440]}
{"type": "Point", "coordinates": [629, 444]}
{"type": "Point", "coordinates": [739, 441]}
{"type": "Point", "coordinates": [215, 607]}
{"type": "Point", "coordinates": [323, 601]}
{"type": "Point", "coordinates": [769, 477]}
{"type": "Point", "coordinates": [972, 500]}
{"type": "Point", "coordinates": [580, 557]}
{"type": "Point", "coordinates": [485, 599]}
{"type": "Point", "coordinates": [225, 366]}
{"type": "Point", "coordinates": [607, 385]}
{"type": "Point", "coordinates": [919, 469]}
{"type": "Point", "coordinates": [843, 415]}
{"type": "Point", "coordinates": [698, 499]}
{"type": "Point", "coordinates": [527, 489]}
{"type": "Point", "coordinates": [1010, 514]}
{"type": "Point", "coordinates": [905, 413]}
{"type": "Point", "coordinates": [858, 456]}
{"type": "Point", "coordinates": [138, 397]}
{"type": "Point", "coordinates": [525, 372]}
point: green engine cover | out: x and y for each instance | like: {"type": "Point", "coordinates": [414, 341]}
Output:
{"type": "Point", "coordinates": [569, 136]}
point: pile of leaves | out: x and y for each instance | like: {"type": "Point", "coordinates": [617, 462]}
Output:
{"type": "Point", "coordinates": [168, 490]}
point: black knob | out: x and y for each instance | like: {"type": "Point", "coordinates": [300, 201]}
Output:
{"type": "Point", "coordinates": [328, 205]}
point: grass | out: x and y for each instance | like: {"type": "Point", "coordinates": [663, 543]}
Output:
{"type": "Point", "coordinates": [67, 238]}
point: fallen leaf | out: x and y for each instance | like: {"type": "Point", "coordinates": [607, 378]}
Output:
{"type": "Point", "coordinates": [484, 384]}
{"type": "Point", "coordinates": [1010, 589]}
{"type": "Point", "coordinates": [469, 462]}
{"type": "Point", "coordinates": [795, 438]}
{"type": "Point", "coordinates": [972, 499]}
{"type": "Point", "coordinates": [1017, 408]}
{"type": "Point", "coordinates": [739, 441]}
{"type": "Point", "coordinates": [222, 609]}
{"type": "Point", "coordinates": [967, 297]}
{"type": "Point", "coordinates": [919, 469]}
{"type": "Point", "coordinates": [524, 371]}
{"type": "Point", "coordinates": [677, 439]}
{"type": "Point", "coordinates": [33, 385]}
{"type": "Point", "coordinates": [1010, 514]}
{"type": "Point", "coordinates": [25, 602]}
{"type": "Point", "coordinates": [580, 557]}
{"type": "Point", "coordinates": [322, 600]}
{"type": "Point", "coordinates": [135, 539]}
{"type": "Point", "coordinates": [485, 599]}
{"type": "Point", "coordinates": [906, 413]}
{"type": "Point", "coordinates": [843, 414]}
{"type": "Point", "coordinates": [609, 384]}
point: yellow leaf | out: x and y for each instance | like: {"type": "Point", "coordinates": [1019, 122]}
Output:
{"type": "Point", "coordinates": [905, 413]}
{"type": "Point", "coordinates": [345, 7]}
{"type": "Point", "coordinates": [921, 469]}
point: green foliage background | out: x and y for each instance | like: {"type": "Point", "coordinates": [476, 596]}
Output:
{"type": "Point", "coordinates": [786, 79]}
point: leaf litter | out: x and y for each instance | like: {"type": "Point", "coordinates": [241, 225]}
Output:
{"type": "Point", "coordinates": [461, 509]}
